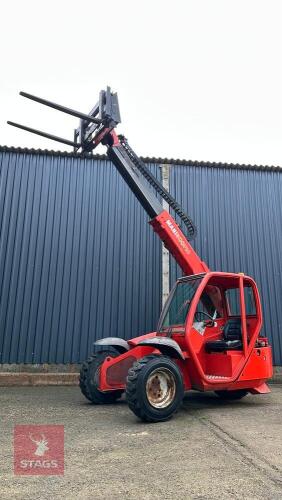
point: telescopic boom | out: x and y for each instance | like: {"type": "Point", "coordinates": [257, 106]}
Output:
{"type": "Point", "coordinates": [98, 127]}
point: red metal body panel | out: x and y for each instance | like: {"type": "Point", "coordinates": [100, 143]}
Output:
{"type": "Point", "coordinates": [106, 382]}
{"type": "Point", "coordinates": [170, 233]}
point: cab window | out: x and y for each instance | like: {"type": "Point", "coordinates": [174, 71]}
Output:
{"type": "Point", "coordinates": [232, 296]}
{"type": "Point", "coordinates": [176, 312]}
{"type": "Point", "coordinates": [210, 303]}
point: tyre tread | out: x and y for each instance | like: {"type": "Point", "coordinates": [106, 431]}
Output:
{"type": "Point", "coordinates": [92, 393]}
{"type": "Point", "coordinates": [132, 387]}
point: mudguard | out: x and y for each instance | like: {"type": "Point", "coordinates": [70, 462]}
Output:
{"type": "Point", "coordinates": [119, 344]}
{"type": "Point", "coordinates": [165, 345]}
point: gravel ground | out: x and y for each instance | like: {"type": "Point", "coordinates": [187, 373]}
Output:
{"type": "Point", "coordinates": [209, 450]}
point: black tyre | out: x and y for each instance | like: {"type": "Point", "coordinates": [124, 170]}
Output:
{"type": "Point", "coordinates": [154, 389]}
{"type": "Point", "coordinates": [89, 379]}
{"type": "Point", "coordinates": [232, 395]}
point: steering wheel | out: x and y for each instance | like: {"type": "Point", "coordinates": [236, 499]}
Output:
{"type": "Point", "coordinates": [206, 314]}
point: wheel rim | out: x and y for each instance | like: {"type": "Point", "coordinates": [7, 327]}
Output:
{"type": "Point", "coordinates": [161, 388]}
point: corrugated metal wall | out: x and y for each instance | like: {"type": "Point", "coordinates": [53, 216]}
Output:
{"type": "Point", "coordinates": [239, 217]}
{"type": "Point", "coordinates": [77, 260]}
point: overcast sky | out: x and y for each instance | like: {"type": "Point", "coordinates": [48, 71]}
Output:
{"type": "Point", "coordinates": [196, 79]}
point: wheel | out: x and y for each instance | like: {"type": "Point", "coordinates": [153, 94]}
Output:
{"type": "Point", "coordinates": [232, 395]}
{"type": "Point", "coordinates": [89, 379]}
{"type": "Point", "coordinates": [154, 389]}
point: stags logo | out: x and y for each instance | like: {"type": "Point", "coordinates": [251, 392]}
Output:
{"type": "Point", "coordinates": [41, 445]}
{"type": "Point", "coordinates": [39, 450]}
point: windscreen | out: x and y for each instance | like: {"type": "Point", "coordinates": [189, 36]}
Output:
{"type": "Point", "coordinates": [179, 305]}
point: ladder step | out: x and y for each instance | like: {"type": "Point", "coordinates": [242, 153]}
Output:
{"type": "Point", "coordinates": [217, 377]}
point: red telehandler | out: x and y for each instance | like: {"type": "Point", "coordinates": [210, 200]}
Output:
{"type": "Point", "coordinates": [208, 335]}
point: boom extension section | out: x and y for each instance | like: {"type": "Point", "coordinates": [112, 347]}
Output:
{"type": "Point", "coordinates": [98, 127]}
{"type": "Point", "coordinates": [161, 221]}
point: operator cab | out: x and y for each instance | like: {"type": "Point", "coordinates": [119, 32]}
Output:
{"type": "Point", "coordinates": [215, 316]}
{"type": "Point", "coordinates": [222, 304]}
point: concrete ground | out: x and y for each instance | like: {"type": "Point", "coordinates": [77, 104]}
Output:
{"type": "Point", "coordinates": [209, 450]}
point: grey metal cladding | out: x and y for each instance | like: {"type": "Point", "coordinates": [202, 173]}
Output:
{"type": "Point", "coordinates": [165, 345]}
{"type": "Point", "coordinates": [77, 260]}
{"type": "Point", "coordinates": [238, 213]}
{"type": "Point", "coordinates": [121, 345]}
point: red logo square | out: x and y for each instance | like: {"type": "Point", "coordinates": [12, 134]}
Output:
{"type": "Point", "coordinates": [39, 450]}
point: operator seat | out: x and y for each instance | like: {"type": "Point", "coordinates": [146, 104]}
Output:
{"type": "Point", "coordinates": [232, 338]}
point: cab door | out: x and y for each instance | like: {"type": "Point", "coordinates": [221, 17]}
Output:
{"type": "Point", "coordinates": [241, 304]}
{"type": "Point", "coordinates": [221, 348]}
